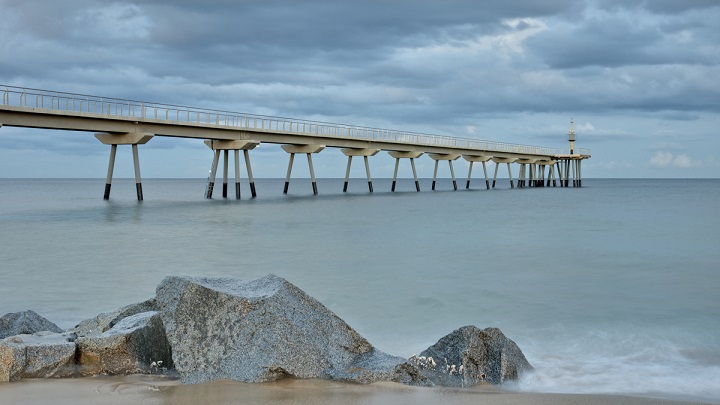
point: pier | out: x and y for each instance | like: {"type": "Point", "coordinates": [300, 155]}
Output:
{"type": "Point", "coordinates": [126, 122]}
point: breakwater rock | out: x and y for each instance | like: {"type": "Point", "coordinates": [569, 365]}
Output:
{"type": "Point", "coordinates": [261, 330]}
{"type": "Point", "coordinates": [207, 329]}
{"type": "Point", "coordinates": [25, 323]}
{"type": "Point", "coordinates": [470, 355]}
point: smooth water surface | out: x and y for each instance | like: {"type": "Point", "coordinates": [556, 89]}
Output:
{"type": "Point", "coordinates": [609, 288]}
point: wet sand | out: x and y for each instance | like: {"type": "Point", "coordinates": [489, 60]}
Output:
{"type": "Point", "coordinates": [150, 390]}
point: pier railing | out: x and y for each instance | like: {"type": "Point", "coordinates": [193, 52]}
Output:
{"type": "Point", "coordinates": [114, 107]}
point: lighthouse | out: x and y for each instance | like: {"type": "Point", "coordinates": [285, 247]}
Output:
{"type": "Point", "coordinates": [571, 137]}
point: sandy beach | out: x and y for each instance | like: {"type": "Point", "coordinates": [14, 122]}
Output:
{"type": "Point", "coordinates": [144, 389]}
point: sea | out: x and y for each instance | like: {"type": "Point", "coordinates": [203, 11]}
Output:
{"type": "Point", "coordinates": [612, 287]}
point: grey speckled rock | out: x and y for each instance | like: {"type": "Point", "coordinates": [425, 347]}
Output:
{"type": "Point", "coordinates": [103, 322]}
{"type": "Point", "coordinates": [130, 346]}
{"type": "Point", "coordinates": [25, 323]}
{"type": "Point", "coordinates": [470, 355]}
{"type": "Point", "coordinates": [41, 355]}
{"type": "Point", "coordinates": [261, 330]}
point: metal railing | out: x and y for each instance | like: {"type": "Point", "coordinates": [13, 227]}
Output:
{"type": "Point", "coordinates": [120, 108]}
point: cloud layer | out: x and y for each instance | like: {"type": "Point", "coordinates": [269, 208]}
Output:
{"type": "Point", "coordinates": [631, 73]}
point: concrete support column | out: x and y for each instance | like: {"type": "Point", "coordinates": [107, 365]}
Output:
{"type": "Point", "coordinates": [312, 173]}
{"type": "Point", "coordinates": [347, 174]}
{"type": "Point", "coordinates": [226, 146]}
{"type": "Point", "coordinates": [365, 153]}
{"type": "Point", "coordinates": [251, 181]}
{"type": "Point", "coordinates": [579, 173]}
{"type": "Point", "coordinates": [289, 170]}
{"type": "Point", "coordinates": [226, 155]}
{"type": "Point", "coordinates": [397, 163]}
{"type": "Point", "coordinates": [367, 170]}
{"type": "Point", "coordinates": [405, 155]}
{"type": "Point", "coordinates": [497, 165]}
{"type": "Point", "coordinates": [452, 175]}
{"type": "Point", "coordinates": [417, 183]}
{"type": "Point", "coordinates": [132, 139]}
{"type": "Point", "coordinates": [487, 182]}
{"type": "Point", "coordinates": [237, 174]}
{"type": "Point", "coordinates": [437, 157]}
{"type": "Point", "coordinates": [213, 172]}
{"type": "Point", "coordinates": [111, 166]}
{"type": "Point", "coordinates": [467, 186]}
{"type": "Point", "coordinates": [307, 150]}
{"type": "Point", "coordinates": [510, 175]}
{"type": "Point", "coordinates": [138, 181]}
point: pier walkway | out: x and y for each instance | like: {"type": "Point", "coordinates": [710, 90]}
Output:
{"type": "Point", "coordinates": [127, 122]}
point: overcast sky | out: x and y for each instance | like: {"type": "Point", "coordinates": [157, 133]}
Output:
{"type": "Point", "coordinates": [640, 78]}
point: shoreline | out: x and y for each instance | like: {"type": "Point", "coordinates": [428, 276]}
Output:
{"type": "Point", "coordinates": [152, 389]}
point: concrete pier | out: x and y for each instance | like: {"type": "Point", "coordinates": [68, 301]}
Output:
{"type": "Point", "coordinates": [122, 121]}
{"type": "Point", "coordinates": [405, 155]}
{"type": "Point", "coordinates": [133, 139]}
{"type": "Point", "coordinates": [308, 150]}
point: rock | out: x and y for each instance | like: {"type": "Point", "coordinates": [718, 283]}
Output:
{"type": "Point", "coordinates": [41, 355]}
{"type": "Point", "coordinates": [130, 346]}
{"type": "Point", "coordinates": [470, 355]}
{"type": "Point", "coordinates": [103, 322]}
{"type": "Point", "coordinates": [261, 330]}
{"type": "Point", "coordinates": [25, 323]}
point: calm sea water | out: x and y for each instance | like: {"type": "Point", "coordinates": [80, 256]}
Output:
{"type": "Point", "coordinates": [609, 288]}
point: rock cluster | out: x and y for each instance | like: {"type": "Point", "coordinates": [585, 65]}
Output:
{"type": "Point", "coordinates": [206, 329]}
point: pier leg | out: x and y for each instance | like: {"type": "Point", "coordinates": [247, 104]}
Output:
{"type": "Point", "coordinates": [226, 155]}
{"type": "Point", "coordinates": [138, 182]}
{"type": "Point", "coordinates": [521, 175]}
{"type": "Point", "coordinates": [579, 173]}
{"type": "Point", "coordinates": [452, 175]}
{"type": "Point", "coordinates": [397, 163]}
{"type": "Point", "coordinates": [567, 172]}
{"type": "Point", "coordinates": [347, 174]}
{"type": "Point", "coordinates": [111, 167]}
{"type": "Point", "coordinates": [487, 182]}
{"type": "Point", "coordinates": [534, 170]}
{"type": "Point", "coordinates": [417, 183]}
{"type": "Point", "coordinates": [435, 175]}
{"type": "Point", "coordinates": [559, 172]}
{"type": "Point", "coordinates": [250, 175]}
{"type": "Point", "coordinates": [469, 176]}
{"type": "Point", "coordinates": [495, 177]}
{"type": "Point", "coordinates": [312, 173]}
{"type": "Point", "coordinates": [213, 170]}
{"type": "Point", "coordinates": [511, 177]}
{"type": "Point", "coordinates": [367, 170]}
{"type": "Point", "coordinates": [574, 173]}
{"type": "Point", "coordinates": [287, 178]}
{"type": "Point", "coordinates": [237, 174]}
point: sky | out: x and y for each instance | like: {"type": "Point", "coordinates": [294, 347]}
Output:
{"type": "Point", "coordinates": [639, 78]}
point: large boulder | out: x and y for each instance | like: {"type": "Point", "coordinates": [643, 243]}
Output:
{"type": "Point", "coordinates": [25, 323]}
{"type": "Point", "coordinates": [41, 355]}
{"type": "Point", "coordinates": [262, 330]}
{"type": "Point", "coordinates": [134, 344]}
{"type": "Point", "coordinates": [470, 355]}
